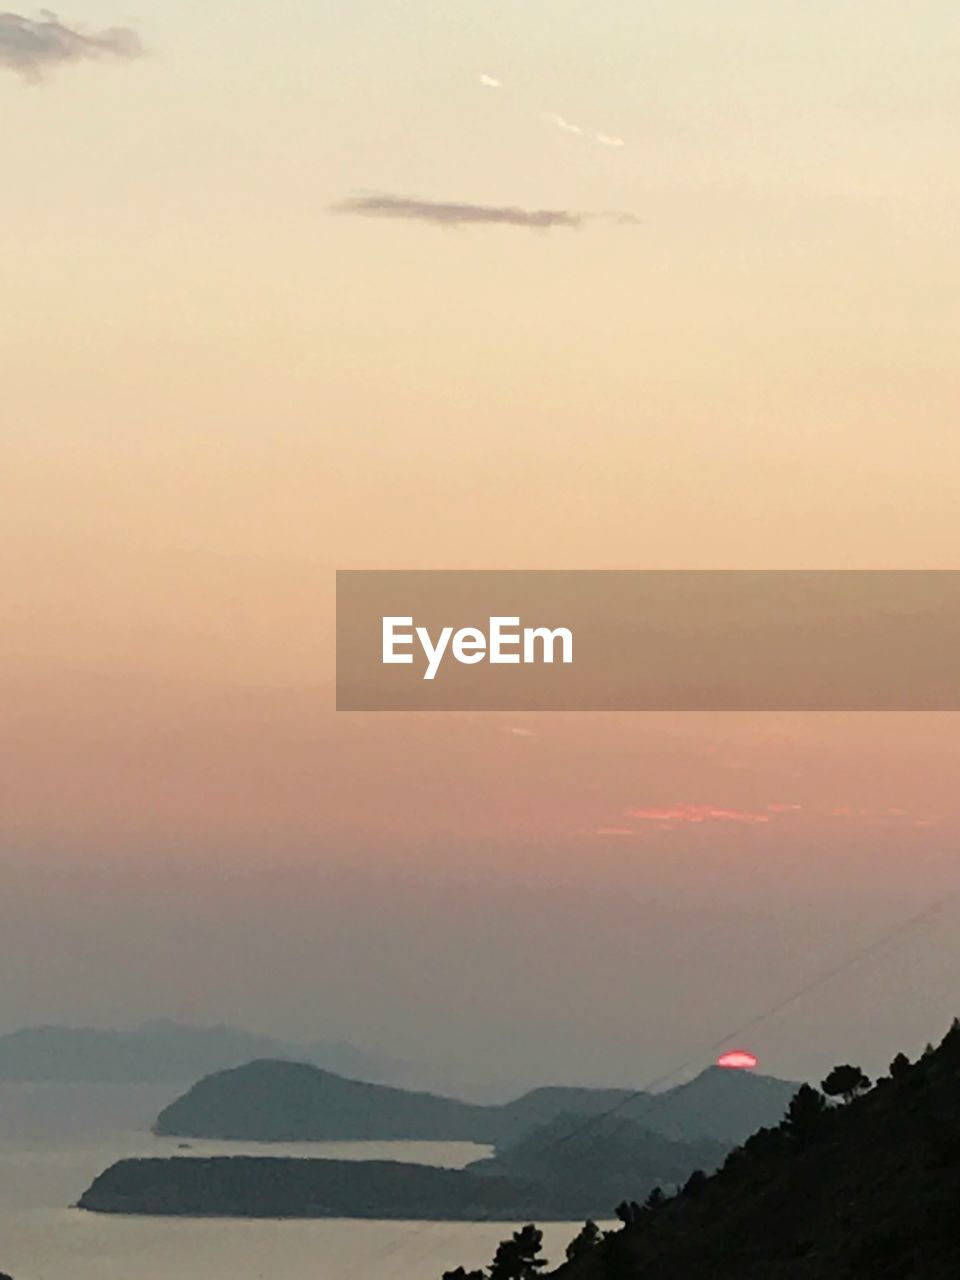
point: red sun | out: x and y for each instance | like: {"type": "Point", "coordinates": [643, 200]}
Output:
{"type": "Point", "coordinates": [737, 1060]}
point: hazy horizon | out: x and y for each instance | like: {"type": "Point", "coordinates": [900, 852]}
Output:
{"type": "Point", "coordinates": [428, 285]}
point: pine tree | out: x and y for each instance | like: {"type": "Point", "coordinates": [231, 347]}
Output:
{"type": "Point", "coordinates": [805, 1115]}
{"type": "Point", "coordinates": [845, 1082]}
{"type": "Point", "coordinates": [899, 1067]}
{"type": "Point", "coordinates": [518, 1258]}
{"type": "Point", "coordinates": [616, 1259]}
{"type": "Point", "coordinates": [584, 1243]}
{"type": "Point", "coordinates": [695, 1183]}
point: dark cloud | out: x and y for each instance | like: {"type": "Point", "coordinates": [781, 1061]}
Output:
{"type": "Point", "coordinates": [449, 214]}
{"type": "Point", "coordinates": [32, 46]}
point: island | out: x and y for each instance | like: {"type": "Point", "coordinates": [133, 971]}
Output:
{"type": "Point", "coordinates": [276, 1187]}
{"type": "Point", "coordinates": [567, 1169]}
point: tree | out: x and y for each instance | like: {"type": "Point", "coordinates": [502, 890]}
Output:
{"type": "Point", "coordinates": [950, 1045]}
{"type": "Point", "coordinates": [655, 1199]}
{"type": "Point", "coordinates": [805, 1115]}
{"type": "Point", "coordinates": [899, 1067]}
{"type": "Point", "coordinates": [459, 1274]}
{"type": "Point", "coordinates": [584, 1243]}
{"type": "Point", "coordinates": [518, 1258]}
{"type": "Point", "coordinates": [845, 1082]}
{"type": "Point", "coordinates": [695, 1183]}
{"type": "Point", "coordinates": [628, 1211]}
{"type": "Point", "coordinates": [616, 1259]}
{"type": "Point", "coordinates": [764, 1142]}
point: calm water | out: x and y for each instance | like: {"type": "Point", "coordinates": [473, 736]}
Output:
{"type": "Point", "coordinates": [54, 1139]}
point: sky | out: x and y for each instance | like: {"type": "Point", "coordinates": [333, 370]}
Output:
{"type": "Point", "coordinates": [305, 286]}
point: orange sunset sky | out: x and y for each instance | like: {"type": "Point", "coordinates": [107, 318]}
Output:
{"type": "Point", "coordinates": [217, 389]}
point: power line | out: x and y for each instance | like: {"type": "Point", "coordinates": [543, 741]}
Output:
{"type": "Point", "coordinates": [851, 961]}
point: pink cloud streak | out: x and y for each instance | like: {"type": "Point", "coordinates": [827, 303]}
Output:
{"type": "Point", "coordinates": [696, 814]}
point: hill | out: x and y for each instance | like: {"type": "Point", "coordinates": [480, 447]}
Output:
{"type": "Point", "coordinates": [583, 1167]}
{"type": "Point", "coordinates": [725, 1106]}
{"type": "Point", "coordinates": [161, 1051]}
{"type": "Point", "coordinates": [272, 1101]}
{"type": "Point", "coordinates": [866, 1190]}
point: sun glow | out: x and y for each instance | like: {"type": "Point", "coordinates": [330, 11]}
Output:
{"type": "Point", "coordinates": [737, 1060]}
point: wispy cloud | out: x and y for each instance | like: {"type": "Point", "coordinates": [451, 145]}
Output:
{"type": "Point", "coordinates": [551, 117]}
{"type": "Point", "coordinates": [896, 817]}
{"type": "Point", "coordinates": [444, 213]}
{"type": "Point", "coordinates": [676, 817]}
{"type": "Point", "coordinates": [578, 131]}
{"type": "Point", "coordinates": [695, 814]}
{"type": "Point", "coordinates": [560, 122]}
{"type": "Point", "coordinates": [32, 46]}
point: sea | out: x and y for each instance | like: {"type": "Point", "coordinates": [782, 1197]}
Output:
{"type": "Point", "coordinates": [55, 1139]}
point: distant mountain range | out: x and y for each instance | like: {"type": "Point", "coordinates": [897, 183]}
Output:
{"type": "Point", "coordinates": [276, 1101]}
{"type": "Point", "coordinates": [561, 1153]}
{"type": "Point", "coordinates": [166, 1051]}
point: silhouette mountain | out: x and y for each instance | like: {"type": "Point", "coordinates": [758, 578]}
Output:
{"type": "Point", "coordinates": [726, 1106]}
{"type": "Point", "coordinates": [865, 1189]}
{"type": "Point", "coordinates": [271, 1101]}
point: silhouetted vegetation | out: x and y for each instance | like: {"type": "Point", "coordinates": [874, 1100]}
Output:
{"type": "Point", "coordinates": [899, 1067]}
{"type": "Point", "coordinates": [805, 1116]}
{"type": "Point", "coordinates": [654, 1200]}
{"type": "Point", "coordinates": [615, 1260]}
{"type": "Point", "coordinates": [629, 1211]}
{"type": "Point", "coordinates": [864, 1191]}
{"type": "Point", "coordinates": [695, 1183]}
{"type": "Point", "coordinates": [845, 1082]}
{"type": "Point", "coordinates": [589, 1238]}
{"type": "Point", "coordinates": [519, 1258]}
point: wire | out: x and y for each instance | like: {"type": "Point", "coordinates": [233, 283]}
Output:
{"type": "Point", "coordinates": [821, 980]}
